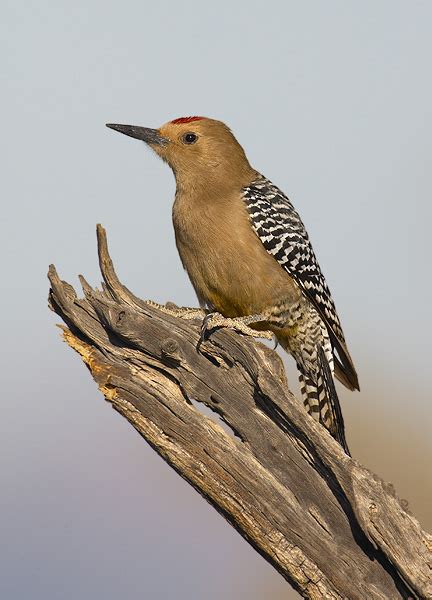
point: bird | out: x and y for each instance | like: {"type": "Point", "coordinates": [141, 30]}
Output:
{"type": "Point", "coordinates": [249, 257]}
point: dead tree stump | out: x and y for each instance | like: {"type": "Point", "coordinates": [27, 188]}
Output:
{"type": "Point", "coordinates": [331, 527]}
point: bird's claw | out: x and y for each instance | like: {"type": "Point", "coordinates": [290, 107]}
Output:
{"type": "Point", "coordinates": [205, 327]}
{"type": "Point", "coordinates": [214, 320]}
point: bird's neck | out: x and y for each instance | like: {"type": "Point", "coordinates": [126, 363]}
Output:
{"type": "Point", "coordinates": [211, 184]}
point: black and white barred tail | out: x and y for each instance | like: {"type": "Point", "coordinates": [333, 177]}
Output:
{"type": "Point", "coordinates": [321, 400]}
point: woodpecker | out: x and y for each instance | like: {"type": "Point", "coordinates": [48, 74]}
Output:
{"type": "Point", "coordinates": [249, 257]}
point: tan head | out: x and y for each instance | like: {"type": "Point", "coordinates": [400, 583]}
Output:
{"type": "Point", "coordinates": [200, 151]}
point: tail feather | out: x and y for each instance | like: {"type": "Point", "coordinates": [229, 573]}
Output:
{"type": "Point", "coordinates": [321, 400]}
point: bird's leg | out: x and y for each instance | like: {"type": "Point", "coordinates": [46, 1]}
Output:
{"type": "Point", "coordinates": [183, 312]}
{"type": "Point", "coordinates": [241, 324]}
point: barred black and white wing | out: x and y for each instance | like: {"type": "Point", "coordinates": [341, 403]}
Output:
{"type": "Point", "coordinates": [283, 234]}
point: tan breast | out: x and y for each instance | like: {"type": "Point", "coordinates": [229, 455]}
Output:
{"type": "Point", "coordinates": [225, 260]}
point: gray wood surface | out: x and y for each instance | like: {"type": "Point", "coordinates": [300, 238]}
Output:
{"type": "Point", "coordinates": [331, 527]}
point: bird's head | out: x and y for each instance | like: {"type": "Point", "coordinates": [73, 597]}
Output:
{"type": "Point", "coordinates": [197, 149]}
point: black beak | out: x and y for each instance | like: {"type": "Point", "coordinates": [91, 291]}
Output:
{"type": "Point", "coordinates": [150, 136]}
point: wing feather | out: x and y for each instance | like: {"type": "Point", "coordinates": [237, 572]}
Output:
{"type": "Point", "coordinates": [283, 234]}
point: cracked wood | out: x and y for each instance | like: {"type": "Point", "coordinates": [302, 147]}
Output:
{"type": "Point", "coordinates": [327, 524]}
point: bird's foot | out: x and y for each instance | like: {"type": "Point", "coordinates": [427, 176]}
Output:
{"type": "Point", "coordinates": [215, 320]}
{"type": "Point", "coordinates": [182, 312]}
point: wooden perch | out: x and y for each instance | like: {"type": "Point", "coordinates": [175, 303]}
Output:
{"type": "Point", "coordinates": [332, 528]}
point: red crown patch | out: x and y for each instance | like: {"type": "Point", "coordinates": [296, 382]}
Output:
{"type": "Point", "coordinates": [186, 120]}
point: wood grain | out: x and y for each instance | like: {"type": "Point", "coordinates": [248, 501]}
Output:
{"type": "Point", "coordinates": [331, 527]}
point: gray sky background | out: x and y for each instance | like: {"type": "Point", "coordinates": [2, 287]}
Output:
{"type": "Point", "coordinates": [332, 101]}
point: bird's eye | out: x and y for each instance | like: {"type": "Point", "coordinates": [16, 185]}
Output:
{"type": "Point", "coordinates": [190, 138]}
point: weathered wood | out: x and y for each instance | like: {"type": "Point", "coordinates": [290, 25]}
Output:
{"type": "Point", "coordinates": [327, 524]}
